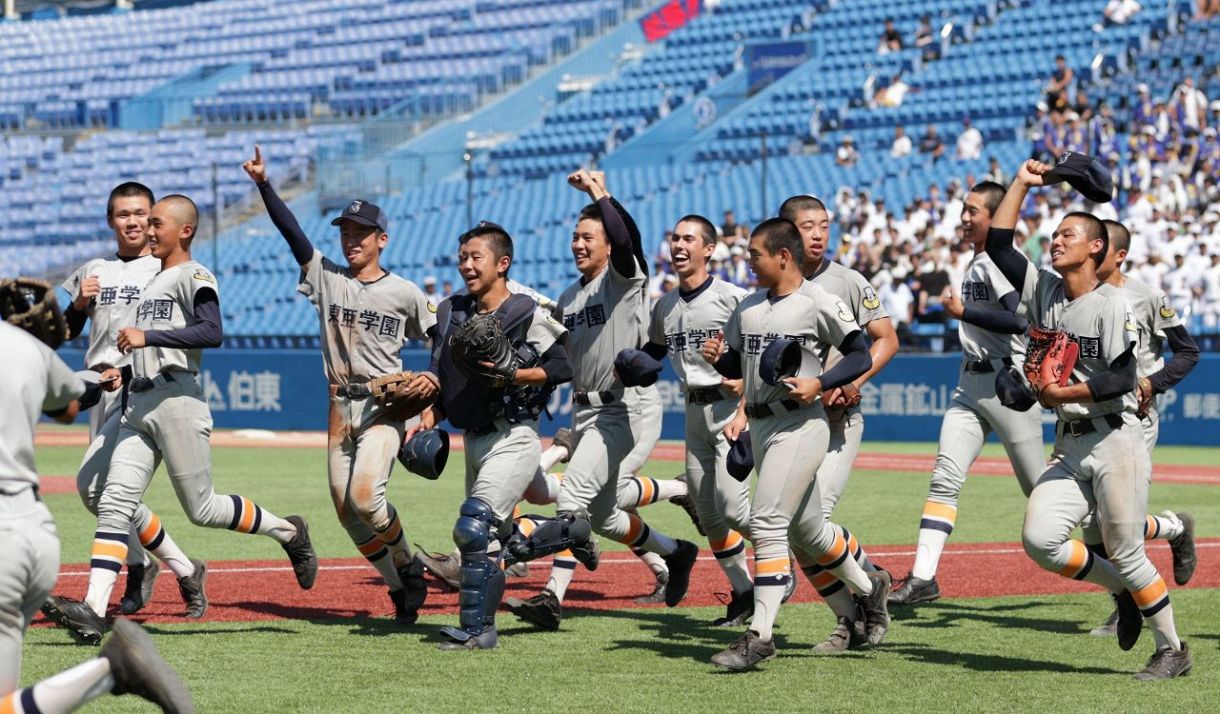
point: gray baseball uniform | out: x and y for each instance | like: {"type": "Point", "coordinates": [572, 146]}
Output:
{"type": "Point", "coordinates": [603, 316]}
{"type": "Point", "coordinates": [975, 412]}
{"type": "Point", "coordinates": [1153, 314]}
{"type": "Point", "coordinates": [790, 443]}
{"type": "Point", "coordinates": [1099, 463]}
{"type": "Point", "coordinates": [364, 327]}
{"type": "Point", "coordinates": [846, 424]}
{"type": "Point", "coordinates": [36, 380]}
{"type": "Point", "coordinates": [682, 322]}
{"type": "Point", "coordinates": [121, 283]}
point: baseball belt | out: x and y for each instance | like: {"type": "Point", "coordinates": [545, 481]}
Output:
{"type": "Point", "coordinates": [143, 384]}
{"type": "Point", "coordinates": [354, 391]}
{"type": "Point", "coordinates": [984, 366]}
{"type": "Point", "coordinates": [596, 399]}
{"type": "Point", "coordinates": [769, 409]}
{"type": "Point", "coordinates": [1080, 427]}
{"type": "Point", "coordinates": [704, 395]}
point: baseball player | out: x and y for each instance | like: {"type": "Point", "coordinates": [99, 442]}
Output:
{"type": "Point", "coordinates": [1156, 323]}
{"type": "Point", "coordinates": [107, 291]}
{"type": "Point", "coordinates": [842, 405]}
{"type": "Point", "coordinates": [787, 321]}
{"type": "Point", "coordinates": [365, 314]}
{"type": "Point", "coordinates": [991, 334]}
{"type": "Point", "coordinates": [681, 320]}
{"type": "Point", "coordinates": [604, 313]}
{"type": "Point", "coordinates": [37, 380]}
{"type": "Point", "coordinates": [1100, 463]}
{"type": "Point", "coordinates": [167, 417]}
{"type": "Point", "coordinates": [497, 404]}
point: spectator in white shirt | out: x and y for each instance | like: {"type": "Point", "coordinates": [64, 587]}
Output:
{"type": "Point", "coordinates": [969, 142]}
{"type": "Point", "coordinates": [902, 143]}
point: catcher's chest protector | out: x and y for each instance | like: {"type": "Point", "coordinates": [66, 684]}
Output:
{"type": "Point", "coordinates": [467, 403]}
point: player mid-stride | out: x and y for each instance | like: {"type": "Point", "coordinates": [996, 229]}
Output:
{"type": "Point", "coordinates": [37, 381]}
{"type": "Point", "coordinates": [167, 418]}
{"type": "Point", "coordinates": [1100, 466]}
{"type": "Point", "coordinates": [366, 315]}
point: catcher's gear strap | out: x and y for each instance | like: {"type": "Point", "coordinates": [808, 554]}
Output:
{"type": "Point", "coordinates": [511, 313]}
{"type": "Point", "coordinates": [551, 536]}
{"type": "Point", "coordinates": [1116, 381]}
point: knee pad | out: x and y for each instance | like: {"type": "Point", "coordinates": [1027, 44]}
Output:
{"type": "Point", "coordinates": [472, 531]}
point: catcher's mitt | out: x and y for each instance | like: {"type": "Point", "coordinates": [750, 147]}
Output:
{"type": "Point", "coordinates": [31, 305]}
{"type": "Point", "coordinates": [1146, 397]}
{"type": "Point", "coordinates": [1050, 357]}
{"type": "Point", "coordinates": [482, 351]}
{"type": "Point", "coordinates": [398, 400]}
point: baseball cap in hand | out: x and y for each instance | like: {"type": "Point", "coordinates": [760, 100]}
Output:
{"type": "Point", "coordinates": [364, 213]}
{"type": "Point", "coordinates": [1086, 174]}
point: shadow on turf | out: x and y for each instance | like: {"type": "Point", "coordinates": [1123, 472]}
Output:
{"type": "Point", "coordinates": [942, 614]}
{"type": "Point", "coordinates": [359, 624]}
{"type": "Point", "coordinates": [926, 654]}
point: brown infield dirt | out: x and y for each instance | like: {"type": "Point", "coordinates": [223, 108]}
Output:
{"type": "Point", "coordinates": [349, 588]}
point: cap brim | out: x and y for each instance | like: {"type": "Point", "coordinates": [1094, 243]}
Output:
{"type": "Point", "coordinates": [356, 219]}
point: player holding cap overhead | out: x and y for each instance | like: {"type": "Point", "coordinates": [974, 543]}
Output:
{"type": "Point", "coordinates": [843, 411]}
{"type": "Point", "coordinates": [37, 381]}
{"type": "Point", "coordinates": [497, 357]}
{"type": "Point", "coordinates": [774, 338]}
{"type": "Point", "coordinates": [365, 314]}
{"type": "Point", "coordinates": [167, 417]}
{"type": "Point", "coordinates": [107, 292]}
{"type": "Point", "coordinates": [1100, 464]}
{"type": "Point", "coordinates": [1156, 323]}
{"type": "Point", "coordinates": [681, 320]}
{"type": "Point", "coordinates": [604, 313]}
{"type": "Point", "coordinates": [991, 334]}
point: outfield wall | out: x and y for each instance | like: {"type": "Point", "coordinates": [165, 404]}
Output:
{"type": "Point", "coordinates": [285, 389]}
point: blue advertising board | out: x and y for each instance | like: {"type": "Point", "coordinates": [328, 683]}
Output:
{"type": "Point", "coordinates": [768, 61]}
{"type": "Point", "coordinates": [285, 389]}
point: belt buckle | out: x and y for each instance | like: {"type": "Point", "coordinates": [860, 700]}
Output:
{"type": "Point", "coordinates": [1076, 427]}
{"type": "Point", "coordinates": [141, 384]}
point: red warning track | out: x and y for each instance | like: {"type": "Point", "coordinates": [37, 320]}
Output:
{"type": "Point", "coordinates": [347, 588]}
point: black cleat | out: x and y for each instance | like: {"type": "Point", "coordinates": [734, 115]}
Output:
{"type": "Point", "coordinates": [138, 669]}
{"type": "Point", "coordinates": [191, 589]}
{"type": "Point", "coordinates": [1130, 620]}
{"type": "Point", "coordinates": [86, 626]}
{"type": "Point", "coordinates": [847, 635]}
{"type": "Point", "coordinates": [912, 591]}
{"type": "Point", "coordinates": [680, 563]}
{"type": "Point", "coordinates": [874, 607]}
{"type": "Point", "coordinates": [563, 437]}
{"type": "Point", "coordinates": [139, 590]}
{"type": "Point", "coordinates": [542, 610]}
{"type": "Point", "coordinates": [1183, 550]}
{"type": "Point", "coordinates": [444, 567]}
{"type": "Point", "coordinates": [746, 653]}
{"type": "Point", "coordinates": [740, 608]}
{"type": "Point", "coordinates": [414, 592]}
{"type": "Point", "coordinates": [588, 555]}
{"type": "Point", "coordinates": [688, 505]}
{"type": "Point", "coordinates": [1167, 663]}
{"type": "Point", "coordinates": [301, 554]}
{"type": "Point", "coordinates": [658, 593]}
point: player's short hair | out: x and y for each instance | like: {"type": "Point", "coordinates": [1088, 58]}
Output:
{"type": "Point", "coordinates": [128, 189]}
{"type": "Point", "coordinates": [781, 233]}
{"type": "Point", "coordinates": [1094, 230]}
{"type": "Point", "coordinates": [707, 231]}
{"type": "Point", "coordinates": [992, 193]}
{"type": "Point", "coordinates": [789, 209]}
{"type": "Point", "coordinates": [185, 209]}
{"type": "Point", "coordinates": [500, 241]}
{"type": "Point", "coordinates": [1120, 237]}
{"type": "Point", "coordinates": [591, 213]}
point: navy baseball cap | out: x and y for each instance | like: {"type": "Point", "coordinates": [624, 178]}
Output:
{"type": "Point", "coordinates": [1013, 391]}
{"type": "Point", "coordinates": [781, 359]}
{"type": "Point", "coordinates": [636, 368]}
{"type": "Point", "coordinates": [1086, 174]}
{"type": "Point", "coordinates": [364, 213]}
{"type": "Point", "coordinates": [740, 461]}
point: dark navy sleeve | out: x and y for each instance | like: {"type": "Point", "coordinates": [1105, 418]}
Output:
{"type": "Point", "coordinates": [556, 365]}
{"type": "Point", "coordinates": [1005, 321]}
{"type": "Point", "coordinates": [655, 351]}
{"type": "Point", "coordinates": [281, 216]}
{"type": "Point", "coordinates": [1008, 259]}
{"type": "Point", "coordinates": [76, 320]}
{"type": "Point", "coordinates": [729, 364]}
{"type": "Point", "coordinates": [1185, 357]}
{"type": "Point", "coordinates": [208, 330]}
{"type": "Point", "coordinates": [856, 361]}
{"type": "Point", "coordinates": [1116, 381]}
{"type": "Point", "coordinates": [625, 251]}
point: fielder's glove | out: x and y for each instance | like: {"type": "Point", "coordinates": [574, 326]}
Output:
{"type": "Point", "coordinates": [398, 400]}
{"type": "Point", "coordinates": [30, 304]}
{"type": "Point", "coordinates": [1146, 397]}
{"type": "Point", "coordinates": [1050, 357]}
{"type": "Point", "coordinates": [482, 352]}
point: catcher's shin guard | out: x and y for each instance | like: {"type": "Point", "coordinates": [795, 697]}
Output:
{"type": "Point", "coordinates": [563, 532]}
{"type": "Point", "coordinates": [481, 578]}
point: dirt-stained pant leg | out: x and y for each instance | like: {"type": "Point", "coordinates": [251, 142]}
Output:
{"type": "Point", "coordinates": [500, 465]}
{"type": "Point", "coordinates": [1019, 432]}
{"type": "Point", "coordinates": [28, 569]}
{"type": "Point", "coordinates": [603, 438]}
{"type": "Point", "coordinates": [846, 433]}
{"type": "Point", "coordinates": [1120, 469]}
{"type": "Point", "coordinates": [361, 452]}
{"type": "Point", "coordinates": [721, 501]}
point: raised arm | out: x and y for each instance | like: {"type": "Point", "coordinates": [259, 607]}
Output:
{"type": "Point", "coordinates": [626, 250]}
{"type": "Point", "coordinates": [302, 249]}
{"type": "Point", "coordinates": [1011, 262]}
